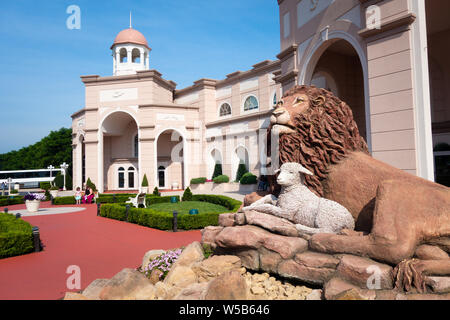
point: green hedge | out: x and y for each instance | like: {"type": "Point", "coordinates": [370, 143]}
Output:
{"type": "Point", "coordinates": [149, 200]}
{"type": "Point", "coordinates": [221, 179]}
{"type": "Point", "coordinates": [248, 178]}
{"type": "Point", "coordinates": [163, 220]}
{"type": "Point", "coordinates": [16, 236]}
{"type": "Point", "coordinates": [7, 201]}
{"type": "Point", "coordinates": [198, 180]}
{"type": "Point", "coordinates": [64, 200]}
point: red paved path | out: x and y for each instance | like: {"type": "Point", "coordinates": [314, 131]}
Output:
{"type": "Point", "coordinates": [101, 247]}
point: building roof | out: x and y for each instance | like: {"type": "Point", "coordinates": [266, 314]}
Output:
{"type": "Point", "coordinates": [130, 35]}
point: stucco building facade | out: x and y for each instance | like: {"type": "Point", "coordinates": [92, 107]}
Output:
{"type": "Point", "coordinates": [386, 59]}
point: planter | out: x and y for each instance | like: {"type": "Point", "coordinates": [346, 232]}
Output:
{"type": "Point", "coordinates": [54, 193]}
{"type": "Point", "coordinates": [32, 205]}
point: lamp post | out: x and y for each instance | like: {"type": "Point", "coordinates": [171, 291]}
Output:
{"type": "Point", "coordinates": [64, 167]}
{"type": "Point", "coordinates": [9, 186]}
{"type": "Point", "coordinates": [50, 167]}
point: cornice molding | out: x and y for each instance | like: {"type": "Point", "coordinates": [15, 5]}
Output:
{"type": "Point", "coordinates": [402, 20]}
{"type": "Point", "coordinates": [239, 118]}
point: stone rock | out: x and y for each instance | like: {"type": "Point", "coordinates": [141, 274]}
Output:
{"type": "Point", "coordinates": [145, 293]}
{"type": "Point", "coordinates": [124, 285]}
{"type": "Point", "coordinates": [336, 286]}
{"type": "Point", "coordinates": [230, 285]}
{"type": "Point", "coordinates": [422, 296]}
{"type": "Point", "coordinates": [226, 219]}
{"type": "Point", "coordinates": [93, 290]}
{"type": "Point", "coordinates": [439, 284]}
{"type": "Point", "coordinates": [292, 269]}
{"type": "Point", "coordinates": [209, 235]}
{"type": "Point", "coordinates": [75, 296]}
{"type": "Point", "coordinates": [257, 290]}
{"type": "Point", "coordinates": [241, 237]}
{"type": "Point", "coordinates": [269, 260]}
{"type": "Point", "coordinates": [195, 291]}
{"type": "Point", "coordinates": [239, 219]}
{"type": "Point", "coordinates": [210, 268]}
{"type": "Point", "coordinates": [316, 260]}
{"type": "Point", "coordinates": [150, 255]}
{"type": "Point", "coordinates": [351, 294]}
{"type": "Point", "coordinates": [386, 294]}
{"type": "Point", "coordinates": [287, 247]}
{"type": "Point", "coordinates": [160, 290]}
{"type": "Point", "coordinates": [272, 223]}
{"type": "Point", "coordinates": [427, 252]}
{"type": "Point", "coordinates": [249, 258]}
{"type": "Point", "coordinates": [191, 254]}
{"type": "Point", "coordinates": [315, 295]}
{"type": "Point", "coordinates": [155, 276]}
{"type": "Point", "coordinates": [361, 271]}
{"type": "Point", "coordinates": [180, 276]}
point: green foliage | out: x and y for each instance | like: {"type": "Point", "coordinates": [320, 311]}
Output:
{"type": "Point", "coordinates": [187, 195]}
{"type": "Point", "coordinates": [227, 202]}
{"type": "Point", "coordinates": [153, 200]}
{"type": "Point", "coordinates": [156, 192]}
{"type": "Point", "coordinates": [217, 170]}
{"type": "Point", "coordinates": [59, 181]}
{"type": "Point", "coordinates": [54, 149]}
{"type": "Point", "coordinates": [16, 236]}
{"type": "Point", "coordinates": [198, 180]}
{"type": "Point", "coordinates": [54, 188]}
{"type": "Point", "coordinates": [47, 195]}
{"type": "Point", "coordinates": [207, 250]}
{"type": "Point", "coordinates": [144, 181]}
{"type": "Point", "coordinates": [242, 169]}
{"type": "Point", "coordinates": [248, 178]}
{"type": "Point", "coordinates": [45, 185]}
{"type": "Point", "coordinates": [91, 185]}
{"type": "Point", "coordinates": [8, 201]}
{"type": "Point", "coordinates": [64, 200]}
{"type": "Point", "coordinates": [185, 206]}
{"type": "Point", "coordinates": [14, 191]}
{"type": "Point", "coordinates": [221, 179]}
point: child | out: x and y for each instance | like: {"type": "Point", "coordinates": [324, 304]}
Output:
{"type": "Point", "coordinates": [78, 195]}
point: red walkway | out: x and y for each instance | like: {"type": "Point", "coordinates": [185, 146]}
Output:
{"type": "Point", "coordinates": [101, 247]}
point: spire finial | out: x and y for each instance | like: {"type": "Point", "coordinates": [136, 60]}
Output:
{"type": "Point", "coordinates": [130, 21]}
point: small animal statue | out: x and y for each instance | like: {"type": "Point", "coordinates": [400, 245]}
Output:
{"type": "Point", "coordinates": [296, 203]}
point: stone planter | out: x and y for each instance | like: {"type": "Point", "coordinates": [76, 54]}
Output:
{"type": "Point", "coordinates": [32, 205]}
{"type": "Point", "coordinates": [54, 193]}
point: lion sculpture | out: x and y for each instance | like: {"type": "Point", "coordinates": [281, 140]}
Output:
{"type": "Point", "coordinates": [394, 210]}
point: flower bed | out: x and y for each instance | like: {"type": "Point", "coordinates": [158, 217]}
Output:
{"type": "Point", "coordinates": [16, 236]}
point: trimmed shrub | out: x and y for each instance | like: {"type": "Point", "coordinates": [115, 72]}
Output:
{"type": "Point", "coordinates": [248, 178]}
{"type": "Point", "coordinates": [59, 181]}
{"type": "Point", "coordinates": [221, 179]}
{"type": "Point", "coordinates": [9, 201]}
{"type": "Point", "coordinates": [217, 170]}
{"type": "Point", "coordinates": [227, 202]}
{"type": "Point", "coordinates": [197, 221]}
{"type": "Point", "coordinates": [144, 181]}
{"type": "Point", "coordinates": [198, 180]}
{"type": "Point", "coordinates": [45, 185]}
{"type": "Point", "coordinates": [153, 199]}
{"type": "Point", "coordinates": [14, 191]}
{"type": "Point", "coordinates": [187, 195]}
{"type": "Point", "coordinates": [47, 195]}
{"type": "Point", "coordinates": [91, 185]}
{"type": "Point", "coordinates": [64, 200]}
{"type": "Point", "coordinates": [242, 169]}
{"type": "Point", "coordinates": [156, 192]}
{"type": "Point", "coordinates": [16, 236]}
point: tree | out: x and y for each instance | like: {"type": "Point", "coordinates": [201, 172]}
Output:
{"type": "Point", "coordinates": [217, 170]}
{"type": "Point", "coordinates": [242, 169]}
{"type": "Point", "coordinates": [187, 195]}
{"type": "Point", "coordinates": [91, 185]}
{"type": "Point", "coordinates": [144, 181]}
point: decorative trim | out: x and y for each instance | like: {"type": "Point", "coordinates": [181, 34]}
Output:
{"type": "Point", "coordinates": [404, 19]}
{"type": "Point", "coordinates": [175, 106]}
{"type": "Point", "coordinates": [90, 142]}
{"type": "Point", "coordinates": [239, 118]}
{"type": "Point", "coordinates": [147, 127]}
{"type": "Point", "coordinates": [291, 75]}
{"type": "Point", "coordinates": [146, 139]}
{"type": "Point", "coordinates": [288, 52]}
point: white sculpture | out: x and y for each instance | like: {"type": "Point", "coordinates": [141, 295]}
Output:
{"type": "Point", "coordinates": [296, 203]}
{"type": "Point", "coordinates": [139, 199]}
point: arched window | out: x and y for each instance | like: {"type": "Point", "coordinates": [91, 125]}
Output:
{"type": "Point", "coordinates": [161, 176]}
{"type": "Point", "coordinates": [136, 146]}
{"type": "Point", "coordinates": [274, 101]}
{"type": "Point", "coordinates": [136, 56]}
{"type": "Point", "coordinates": [121, 173]}
{"type": "Point", "coordinates": [130, 177]}
{"type": "Point", "coordinates": [251, 103]}
{"type": "Point", "coordinates": [123, 55]}
{"type": "Point", "coordinates": [225, 110]}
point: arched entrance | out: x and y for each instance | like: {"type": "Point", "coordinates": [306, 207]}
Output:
{"type": "Point", "coordinates": [118, 161]}
{"type": "Point", "coordinates": [170, 146]}
{"type": "Point", "coordinates": [339, 70]}
{"type": "Point", "coordinates": [215, 158]}
{"type": "Point", "coordinates": [240, 156]}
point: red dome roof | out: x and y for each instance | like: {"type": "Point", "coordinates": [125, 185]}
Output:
{"type": "Point", "coordinates": [130, 35]}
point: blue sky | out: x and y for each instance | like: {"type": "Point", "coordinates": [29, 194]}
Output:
{"type": "Point", "coordinates": [41, 61]}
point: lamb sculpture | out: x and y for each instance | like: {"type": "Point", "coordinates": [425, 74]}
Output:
{"type": "Point", "coordinates": [296, 203]}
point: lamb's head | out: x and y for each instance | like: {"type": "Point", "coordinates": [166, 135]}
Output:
{"type": "Point", "coordinates": [291, 173]}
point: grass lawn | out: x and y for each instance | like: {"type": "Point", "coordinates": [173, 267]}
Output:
{"type": "Point", "coordinates": [183, 207]}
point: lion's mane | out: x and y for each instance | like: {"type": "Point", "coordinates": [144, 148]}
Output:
{"type": "Point", "coordinates": [325, 134]}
